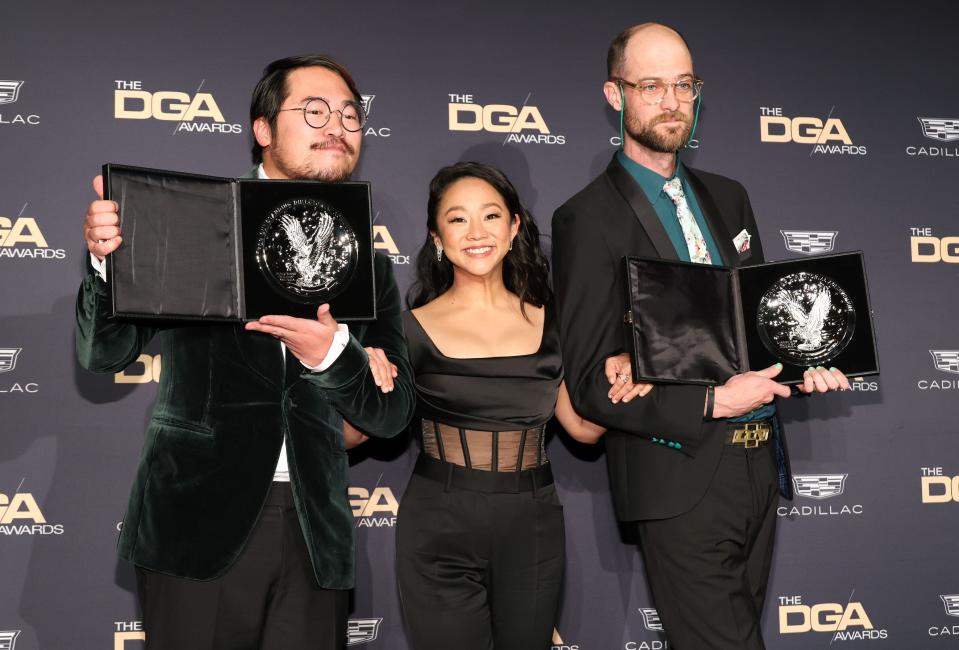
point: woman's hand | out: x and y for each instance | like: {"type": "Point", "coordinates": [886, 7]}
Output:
{"type": "Point", "coordinates": [620, 375]}
{"type": "Point", "coordinates": [383, 370]}
{"type": "Point", "coordinates": [353, 436]}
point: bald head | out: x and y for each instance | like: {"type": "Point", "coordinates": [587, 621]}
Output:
{"type": "Point", "coordinates": [645, 46]}
{"type": "Point", "coordinates": [654, 128]}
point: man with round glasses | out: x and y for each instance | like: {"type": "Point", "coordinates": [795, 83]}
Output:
{"type": "Point", "coordinates": [702, 496]}
{"type": "Point", "coordinates": [303, 134]}
{"type": "Point", "coordinates": [238, 521]}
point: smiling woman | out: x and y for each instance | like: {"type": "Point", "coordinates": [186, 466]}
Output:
{"type": "Point", "coordinates": [480, 532]}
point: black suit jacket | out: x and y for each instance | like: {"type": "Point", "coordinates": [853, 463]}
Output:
{"type": "Point", "coordinates": [608, 219]}
{"type": "Point", "coordinates": [227, 398]}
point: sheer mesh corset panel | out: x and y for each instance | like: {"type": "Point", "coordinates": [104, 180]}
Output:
{"type": "Point", "coordinates": [485, 413]}
{"type": "Point", "coordinates": [497, 451]}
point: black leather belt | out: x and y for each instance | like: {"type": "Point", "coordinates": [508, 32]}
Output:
{"type": "Point", "coordinates": [527, 480]}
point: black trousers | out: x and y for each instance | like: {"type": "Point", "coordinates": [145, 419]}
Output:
{"type": "Point", "coordinates": [267, 600]}
{"type": "Point", "coordinates": [708, 568]}
{"type": "Point", "coordinates": [479, 570]}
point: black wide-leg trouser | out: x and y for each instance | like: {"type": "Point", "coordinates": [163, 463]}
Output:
{"type": "Point", "coordinates": [477, 567]}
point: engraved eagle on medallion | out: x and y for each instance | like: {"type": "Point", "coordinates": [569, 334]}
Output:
{"type": "Point", "coordinates": [306, 250]}
{"type": "Point", "coordinates": [805, 318]}
{"type": "Point", "coordinates": [808, 325]}
{"type": "Point", "coordinates": [309, 252]}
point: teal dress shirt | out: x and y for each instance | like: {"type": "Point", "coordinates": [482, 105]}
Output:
{"type": "Point", "coordinates": [652, 185]}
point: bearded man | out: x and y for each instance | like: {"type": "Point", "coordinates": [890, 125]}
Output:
{"type": "Point", "coordinates": [238, 523]}
{"type": "Point", "coordinates": [698, 471]}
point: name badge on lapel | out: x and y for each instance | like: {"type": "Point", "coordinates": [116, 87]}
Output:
{"type": "Point", "coordinates": [741, 241]}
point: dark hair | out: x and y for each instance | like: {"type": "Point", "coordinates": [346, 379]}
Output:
{"type": "Point", "coordinates": [525, 267]}
{"type": "Point", "coordinates": [616, 56]}
{"type": "Point", "coordinates": [271, 90]}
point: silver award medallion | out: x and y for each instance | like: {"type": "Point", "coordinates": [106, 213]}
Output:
{"type": "Point", "coordinates": [306, 250]}
{"type": "Point", "coordinates": [806, 319]}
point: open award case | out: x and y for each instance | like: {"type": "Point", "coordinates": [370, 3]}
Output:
{"type": "Point", "coordinates": [206, 248]}
{"type": "Point", "coordinates": [701, 324]}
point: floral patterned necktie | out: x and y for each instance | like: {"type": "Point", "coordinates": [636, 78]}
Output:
{"type": "Point", "coordinates": [695, 243]}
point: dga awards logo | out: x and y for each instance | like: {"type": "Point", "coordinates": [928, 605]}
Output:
{"type": "Point", "coordinates": [8, 639]}
{"type": "Point", "coordinates": [945, 361]}
{"type": "Point", "coordinates": [370, 130]}
{"type": "Point", "coordinates": [558, 643]}
{"type": "Point", "coordinates": [938, 486]}
{"type": "Point", "coordinates": [827, 136]}
{"type": "Point", "coordinates": [21, 237]}
{"type": "Point", "coordinates": [809, 242]}
{"type": "Point", "coordinates": [383, 241]}
{"type": "Point", "coordinates": [128, 635]}
{"type": "Point", "coordinates": [523, 124]}
{"type": "Point", "coordinates": [144, 370]}
{"type": "Point", "coordinates": [941, 130]}
{"type": "Point", "coordinates": [927, 248]}
{"type": "Point", "coordinates": [9, 94]}
{"type": "Point", "coordinates": [847, 621]}
{"type": "Point", "coordinates": [951, 631]}
{"type": "Point", "coordinates": [8, 363]}
{"type": "Point", "coordinates": [196, 113]}
{"type": "Point", "coordinates": [819, 487]}
{"type": "Point", "coordinates": [373, 509]}
{"type": "Point", "coordinates": [362, 630]}
{"type": "Point", "coordinates": [20, 515]}
{"type": "Point", "coordinates": [652, 623]}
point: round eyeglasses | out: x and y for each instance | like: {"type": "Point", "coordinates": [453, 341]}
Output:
{"type": "Point", "coordinates": [317, 113]}
{"type": "Point", "coordinates": [653, 91]}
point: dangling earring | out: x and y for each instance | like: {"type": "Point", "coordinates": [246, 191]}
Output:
{"type": "Point", "coordinates": [439, 252]}
{"type": "Point", "coordinates": [510, 245]}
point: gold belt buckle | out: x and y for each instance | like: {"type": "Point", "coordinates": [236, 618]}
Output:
{"type": "Point", "coordinates": [751, 434]}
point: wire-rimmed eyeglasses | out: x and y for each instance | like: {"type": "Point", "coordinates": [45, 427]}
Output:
{"type": "Point", "coordinates": [653, 91]}
{"type": "Point", "coordinates": [317, 113]}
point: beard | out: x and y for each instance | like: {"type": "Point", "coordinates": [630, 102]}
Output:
{"type": "Point", "coordinates": [308, 170]}
{"type": "Point", "coordinates": [664, 141]}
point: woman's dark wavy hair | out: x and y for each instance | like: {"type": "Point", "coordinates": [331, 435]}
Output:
{"type": "Point", "coordinates": [525, 268]}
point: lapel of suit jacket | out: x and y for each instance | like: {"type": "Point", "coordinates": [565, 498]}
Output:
{"type": "Point", "coordinates": [645, 214]}
{"type": "Point", "coordinates": [714, 219]}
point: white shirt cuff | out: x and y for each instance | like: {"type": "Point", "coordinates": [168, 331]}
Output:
{"type": "Point", "coordinates": [340, 339]}
{"type": "Point", "coordinates": [100, 266]}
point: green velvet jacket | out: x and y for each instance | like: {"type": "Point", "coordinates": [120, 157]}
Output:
{"type": "Point", "coordinates": [226, 400]}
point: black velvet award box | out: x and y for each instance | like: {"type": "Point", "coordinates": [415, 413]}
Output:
{"type": "Point", "coordinates": [701, 324]}
{"type": "Point", "coordinates": [206, 248]}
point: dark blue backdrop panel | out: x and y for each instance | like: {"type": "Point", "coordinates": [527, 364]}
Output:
{"type": "Point", "coordinates": [841, 120]}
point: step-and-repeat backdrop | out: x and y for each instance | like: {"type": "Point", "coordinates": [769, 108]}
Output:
{"type": "Point", "coordinates": [841, 119]}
